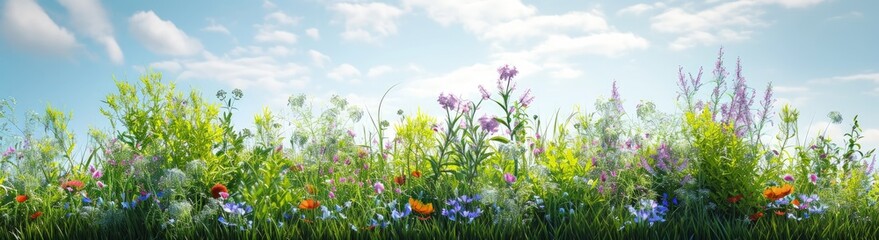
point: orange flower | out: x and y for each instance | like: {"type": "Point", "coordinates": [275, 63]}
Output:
{"type": "Point", "coordinates": [308, 204]}
{"type": "Point", "coordinates": [779, 213]}
{"type": "Point", "coordinates": [310, 189]}
{"type": "Point", "coordinates": [775, 193]}
{"type": "Point", "coordinates": [735, 199]}
{"type": "Point", "coordinates": [36, 215]}
{"type": "Point", "coordinates": [217, 189]}
{"type": "Point", "coordinates": [400, 180]}
{"type": "Point", "coordinates": [756, 216]}
{"type": "Point", "coordinates": [416, 174]}
{"type": "Point", "coordinates": [420, 207]}
{"type": "Point", "coordinates": [72, 186]}
{"type": "Point", "coordinates": [795, 202]}
{"type": "Point", "coordinates": [21, 198]}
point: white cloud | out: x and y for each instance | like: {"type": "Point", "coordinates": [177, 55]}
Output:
{"type": "Point", "coordinates": [266, 35]}
{"type": "Point", "coordinates": [608, 44]}
{"type": "Point", "coordinates": [873, 77]}
{"type": "Point", "coordinates": [27, 25]}
{"type": "Point", "coordinates": [344, 72]}
{"type": "Point", "coordinates": [167, 66]}
{"type": "Point", "coordinates": [89, 18]}
{"type": "Point", "coordinates": [636, 9]}
{"type": "Point", "coordinates": [367, 22]}
{"type": "Point", "coordinates": [161, 36]}
{"type": "Point", "coordinates": [318, 58]}
{"type": "Point", "coordinates": [379, 70]}
{"type": "Point", "coordinates": [849, 15]}
{"type": "Point", "coordinates": [281, 19]}
{"type": "Point", "coordinates": [217, 28]}
{"type": "Point", "coordinates": [464, 80]}
{"type": "Point", "coordinates": [264, 72]}
{"type": "Point", "coordinates": [794, 3]}
{"type": "Point", "coordinates": [313, 33]}
{"type": "Point", "coordinates": [475, 15]}
{"type": "Point", "coordinates": [536, 26]}
{"type": "Point", "coordinates": [720, 22]}
{"type": "Point", "coordinates": [268, 4]}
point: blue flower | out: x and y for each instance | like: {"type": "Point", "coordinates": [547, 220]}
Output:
{"type": "Point", "coordinates": [238, 209]}
{"type": "Point", "coordinates": [86, 200]}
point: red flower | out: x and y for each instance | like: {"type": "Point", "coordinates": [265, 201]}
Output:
{"type": "Point", "coordinates": [309, 204]}
{"type": "Point", "coordinates": [217, 189]}
{"type": "Point", "coordinates": [36, 215]}
{"type": "Point", "coordinates": [756, 216]}
{"type": "Point", "coordinates": [735, 199]}
{"type": "Point", "coordinates": [779, 213]}
{"type": "Point", "coordinates": [21, 198]}
{"type": "Point", "coordinates": [72, 185]}
{"type": "Point", "coordinates": [416, 174]}
{"type": "Point", "coordinates": [400, 180]}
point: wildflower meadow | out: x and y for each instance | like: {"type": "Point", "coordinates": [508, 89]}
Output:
{"type": "Point", "coordinates": [729, 163]}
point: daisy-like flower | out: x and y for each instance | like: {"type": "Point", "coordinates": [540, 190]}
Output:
{"type": "Point", "coordinates": [72, 185]}
{"type": "Point", "coordinates": [421, 208]}
{"type": "Point", "coordinates": [309, 204]}
{"type": "Point", "coordinates": [775, 193]}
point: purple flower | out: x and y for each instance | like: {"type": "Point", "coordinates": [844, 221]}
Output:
{"type": "Point", "coordinates": [379, 187]}
{"type": "Point", "coordinates": [813, 178]}
{"type": "Point", "coordinates": [509, 178]}
{"type": "Point", "coordinates": [538, 151]}
{"type": "Point", "coordinates": [485, 94]}
{"type": "Point", "coordinates": [237, 209]}
{"type": "Point", "coordinates": [351, 133]}
{"type": "Point", "coordinates": [788, 177]}
{"type": "Point", "coordinates": [9, 151]}
{"type": "Point", "coordinates": [615, 97]}
{"type": "Point", "coordinates": [507, 73]}
{"type": "Point", "coordinates": [101, 184]}
{"type": "Point", "coordinates": [489, 124]}
{"type": "Point", "coordinates": [331, 195]}
{"type": "Point", "coordinates": [448, 102]}
{"type": "Point", "coordinates": [526, 98]}
{"type": "Point", "coordinates": [97, 174]}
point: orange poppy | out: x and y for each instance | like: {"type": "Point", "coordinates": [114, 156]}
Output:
{"type": "Point", "coordinates": [775, 193]}
{"type": "Point", "coordinates": [308, 204]}
{"type": "Point", "coordinates": [779, 213]}
{"type": "Point", "coordinates": [795, 202]}
{"type": "Point", "coordinates": [416, 174]}
{"type": "Point", "coordinates": [735, 199]}
{"type": "Point", "coordinates": [217, 189]}
{"type": "Point", "coordinates": [72, 185]}
{"type": "Point", "coordinates": [756, 216]}
{"type": "Point", "coordinates": [36, 215]}
{"type": "Point", "coordinates": [310, 189]}
{"type": "Point", "coordinates": [420, 207]}
{"type": "Point", "coordinates": [21, 198]}
{"type": "Point", "coordinates": [400, 180]}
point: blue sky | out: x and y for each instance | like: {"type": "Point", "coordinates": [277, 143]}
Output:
{"type": "Point", "coordinates": [819, 54]}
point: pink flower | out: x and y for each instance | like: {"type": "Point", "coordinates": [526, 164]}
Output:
{"type": "Point", "coordinates": [224, 195]}
{"type": "Point", "coordinates": [97, 174]}
{"type": "Point", "coordinates": [379, 187]}
{"type": "Point", "coordinates": [331, 195]}
{"type": "Point", "coordinates": [813, 178]}
{"type": "Point", "coordinates": [509, 178]}
{"type": "Point", "coordinates": [101, 184]}
{"type": "Point", "coordinates": [351, 133]}
{"type": "Point", "coordinates": [788, 177]}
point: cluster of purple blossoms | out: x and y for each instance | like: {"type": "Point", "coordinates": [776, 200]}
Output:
{"type": "Point", "coordinates": [485, 93]}
{"type": "Point", "coordinates": [526, 98]}
{"type": "Point", "coordinates": [506, 75]}
{"type": "Point", "coordinates": [665, 161]}
{"type": "Point", "coordinates": [457, 208]}
{"type": "Point", "coordinates": [489, 124]}
{"type": "Point", "coordinates": [448, 102]}
{"type": "Point", "coordinates": [648, 211]}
